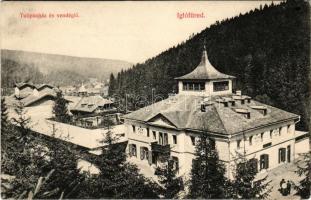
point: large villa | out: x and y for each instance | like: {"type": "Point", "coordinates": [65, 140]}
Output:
{"type": "Point", "coordinates": [205, 104]}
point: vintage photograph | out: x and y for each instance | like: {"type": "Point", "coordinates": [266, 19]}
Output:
{"type": "Point", "coordinates": [155, 100]}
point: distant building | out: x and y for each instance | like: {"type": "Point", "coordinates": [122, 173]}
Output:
{"type": "Point", "coordinates": [91, 110]}
{"type": "Point", "coordinates": [31, 95]}
{"type": "Point", "coordinates": [88, 89]}
{"type": "Point", "coordinates": [206, 104]}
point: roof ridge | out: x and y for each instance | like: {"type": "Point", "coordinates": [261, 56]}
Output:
{"type": "Point", "coordinates": [222, 123]}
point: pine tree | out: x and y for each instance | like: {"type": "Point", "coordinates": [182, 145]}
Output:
{"type": "Point", "coordinates": [4, 116]}
{"type": "Point", "coordinates": [208, 173]}
{"type": "Point", "coordinates": [112, 85]}
{"type": "Point", "coordinates": [60, 109]}
{"type": "Point", "coordinates": [117, 178]}
{"type": "Point", "coordinates": [22, 122]}
{"type": "Point", "coordinates": [304, 170]}
{"type": "Point", "coordinates": [244, 185]}
{"type": "Point", "coordinates": [167, 177]}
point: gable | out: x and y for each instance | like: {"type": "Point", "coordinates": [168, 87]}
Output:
{"type": "Point", "coordinates": [161, 120]}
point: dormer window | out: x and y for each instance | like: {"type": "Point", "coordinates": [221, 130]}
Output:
{"type": "Point", "coordinates": [221, 86]}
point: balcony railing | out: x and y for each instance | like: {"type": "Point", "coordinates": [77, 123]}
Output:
{"type": "Point", "coordinates": [155, 147]}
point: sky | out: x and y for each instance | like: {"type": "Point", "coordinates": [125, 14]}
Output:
{"type": "Point", "coordinates": [130, 31]}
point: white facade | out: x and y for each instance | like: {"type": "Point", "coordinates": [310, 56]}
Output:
{"type": "Point", "coordinates": [262, 143]}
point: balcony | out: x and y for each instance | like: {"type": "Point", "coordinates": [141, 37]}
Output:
{"type": "Point", "coordinates": [155, 147]}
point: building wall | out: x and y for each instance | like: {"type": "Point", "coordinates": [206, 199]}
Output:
{"type": "Point", "coordinates": [227, 148]}
{"type": "Point", "coordinates": [24, 91]}
{"type": "Point", "coordinates": [256, 149]}
{"type": "Point", "coordinates": [184, 149]}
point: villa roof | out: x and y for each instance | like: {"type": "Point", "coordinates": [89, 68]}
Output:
{"type": "Point", "coordinates": [23, 85]}
{"type": "Point", "coordinates": [91, 103]}
{"type": "Point", "coordinates": [204, 71]}
{"type": "Point", "coordinates": [41, 86]}
{"type": "Point", "coordinates": [184, 112]}
{"type": "Point", "coordinates": [31, 98]}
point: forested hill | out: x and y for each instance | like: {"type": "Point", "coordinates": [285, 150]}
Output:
{"type": "Point", "coordinates": [55, 69]}
{"type": "Point", "coordinates": [267, 49]}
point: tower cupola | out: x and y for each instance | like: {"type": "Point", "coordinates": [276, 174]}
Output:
{"type": "Point", "coordinates": [205, 80]}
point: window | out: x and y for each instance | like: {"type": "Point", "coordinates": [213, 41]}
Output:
{"type": "Point", "coordinates": [160, 138]}
{"type": "Point", "coordinates": [134, 129]}
{"type": "Point", "coordinates": [221, 86]}
{"type": "Point", "coordinates": [282, 155]}
{"type": "Point", "coordinates": [148, 132]}
{"type": "Point", "coordinates": [193, 86]}
{"type": "Point", "coordinates": [174, 139]}
{"type": "Point", "coordinates": [271, 134]}
{"type": "Point", "coordinates": [175, 164]}
{"type": "Point", "coordinates": [238, 143]}
{"type": "Point", "coordinates": [154, 135]}
{"type": "Point", "coordinates": [280, 131]}
{"type": "Point", "coordinates": [267, 145]}
{"type": "Point", "coordinates": [144, 153]}
{"type": "Point", "coordinates": [132, 149]}
{"type": "Point", "coordinates": [261, 136]}
{"type": "Point", "coordinates": [165, 141]}
{"type": "Point", "coordinates": [192, 140]}
{"type": "Point", "coordinates": [264, 161]}
{"type": "Point", "coordinates": [250, 140]}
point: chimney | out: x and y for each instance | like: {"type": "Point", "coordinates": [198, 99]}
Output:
{"type": "Point", "coordinates": [238, 92]}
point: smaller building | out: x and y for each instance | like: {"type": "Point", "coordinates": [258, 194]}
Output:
{"type": "Point", "coordinates": [91, 111]}
{"type": "Point", "coordinates": [32, 95]}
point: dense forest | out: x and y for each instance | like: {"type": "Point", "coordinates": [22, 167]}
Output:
{"type": "Point", "coordinates": [267, 49]}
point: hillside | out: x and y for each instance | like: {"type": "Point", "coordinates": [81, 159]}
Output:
{"type": "Point", "coordinates": [57, 68]}
{"type": "Point", "coordinates": [267, 49]}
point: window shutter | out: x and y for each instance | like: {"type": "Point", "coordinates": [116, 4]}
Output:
{"type": "Point", "coordinates": [266, 161]}
{"type": "Point", "coordinates": [283, 154]}
{"type": "Point", "coordinates": [150, 157]}
{"type": "Point", "coordinates": [141, 153]}
{"type": "Point", "coordinates": [288, 153]}
{"type": "Point", "coordinates": [130, 149]}
{"type": "Point", "coordinates": [254, 163]}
